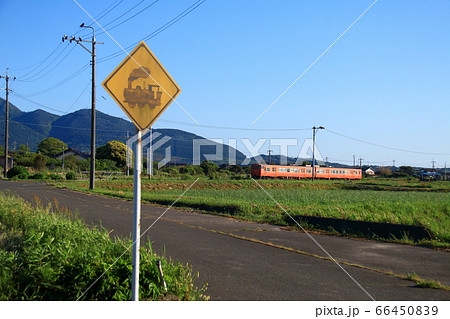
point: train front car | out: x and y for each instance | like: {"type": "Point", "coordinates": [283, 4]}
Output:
{"type": "Point", "coordinates": [256, 171]}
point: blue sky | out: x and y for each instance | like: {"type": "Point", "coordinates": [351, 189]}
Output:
{"type": "Point", "coordinates": [386, 81]}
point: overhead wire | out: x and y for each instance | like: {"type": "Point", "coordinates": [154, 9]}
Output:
{"type": "Point", "coordinates": [156, 32]}
{"type": "Point", "coordinates": [79, 96]}
{"type": "Point", "coordinates": [133, 16]}
{"type": "Point", "coordinates": [35, 78]}
{"type": "Point", "coordinates": [38, 64]}
{"type": "Point", "coordinates": [384, 146]}
{"type": "Point", "coordinates": [22, 78]}
{"type": "Point", "coordinates": [70, 77]}
{"type": "Point", "coordinates": [112, 7]}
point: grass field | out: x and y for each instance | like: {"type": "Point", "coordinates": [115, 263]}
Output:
{"type": "Point", "coordinates": [391, 201]}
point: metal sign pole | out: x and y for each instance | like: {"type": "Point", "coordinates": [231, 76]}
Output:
{"type": "Point", "coordinates": [136, 217]}
{"type": "Point", "coordinates": [150, 158]}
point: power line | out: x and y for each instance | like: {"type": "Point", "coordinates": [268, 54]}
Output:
{"type": "Point", "coordinates": [35, 78]}
{"type": "Point", "coordinates": [156, 32]}
{"type": "Point", "coordinates": [70, 77]}
{"type": "Point", "coordinates": [113, 6]}
{"type": "Point", "coordinates": [38, 64]}
{"type": "Point", "coordinates": [383, 146]}
{"type": "Point", "coordinates": [115, 26]}
{"type": "Point", "coordinates": [78, 97]}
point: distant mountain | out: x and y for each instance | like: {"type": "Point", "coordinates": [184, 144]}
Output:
{"type": "Point", "coordinates": [74, 129]}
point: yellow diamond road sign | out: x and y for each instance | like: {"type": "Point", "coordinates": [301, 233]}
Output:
{"type": "Point", "coordinates": [142, 87]}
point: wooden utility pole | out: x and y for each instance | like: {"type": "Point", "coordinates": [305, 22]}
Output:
{"type": "Point", "coordinates": [92, 52]}
{"type": "Point", "coordinates": [6, 77]}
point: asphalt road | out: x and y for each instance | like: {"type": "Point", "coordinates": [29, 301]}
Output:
{"type": "Point", "coordinates": [249, 261]}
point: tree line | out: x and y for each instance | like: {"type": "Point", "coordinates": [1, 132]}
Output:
{"type": "Point", "coordinates": [111, 157]}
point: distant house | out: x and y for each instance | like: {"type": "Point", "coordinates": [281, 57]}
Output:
{"type": "Point", "coordinates": [72, 151]}
{"type": "Point", "coordinates": [369, 171]}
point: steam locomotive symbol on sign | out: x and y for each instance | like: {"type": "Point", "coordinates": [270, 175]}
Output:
{"type": "Point", "coordinates": [148, 96]}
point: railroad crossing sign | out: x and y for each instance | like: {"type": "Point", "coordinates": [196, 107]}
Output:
{"type": "Point", "coordinates": [142, 87]}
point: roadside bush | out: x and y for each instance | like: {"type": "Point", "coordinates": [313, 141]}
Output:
{"type": "Point", "coordinates": [38, 175]}
{"type": "Point", "coordinates": [27, 159]}
{"type": "Point", "coordinates": [209, 167]}
{"type": "Point", "coordinates": [186, 177]}
{"type": "Point", "coordinates": [20, 171]}
{"type": "Point", "coordinates": [71, 176]}
{"type": "Point", "coordinates": [56, 177]}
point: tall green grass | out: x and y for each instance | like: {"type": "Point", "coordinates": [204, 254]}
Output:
{"type": "Point", "coordinates": [47, 254]}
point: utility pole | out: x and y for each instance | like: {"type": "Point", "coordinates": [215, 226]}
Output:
{"type": "Point", "coordinates": [6, 77]}
{"type": "Point", "coordinates": [314, 147]}
{"type": "Point", "coordinates": [432, 165]}
{"type": "Point", "coordinates": [92, 52]}
{"type": "Point", "coordinates": [393, 163]}
{"type": "Point", "coordinates": [354, 161]}
{"type": "Point", "coordinates": [360, 162]}
{"type": "Point", "coordinates": [269, 151]}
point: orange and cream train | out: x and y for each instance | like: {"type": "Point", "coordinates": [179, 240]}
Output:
{"type": "Point", "coordinates": [297, 172]}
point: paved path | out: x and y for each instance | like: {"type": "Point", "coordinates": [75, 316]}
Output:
{"type": "Point", "coordinates": [250, 261]}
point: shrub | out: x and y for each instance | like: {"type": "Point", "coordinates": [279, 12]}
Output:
{"type": "Point", "coordinates": [71, 176]}
{"type": "Point", "coordinates": [20, 171]}
{"type": "Point", "coordinates": [27, 159]}
{"type": "Point", "coordinates": [38, 175]}
{"type": "Point", "coordinates": [55, 177]}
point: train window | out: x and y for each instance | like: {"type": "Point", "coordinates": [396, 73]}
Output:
{"type": "Point", "coordinates": [268, 169]}
{"type": "Point", "coordinates": [328, 171]}
{"type": "Point", "coordinates": [284, 169]}
{"type": "Point", "coordinates": [308, 171]}
{"type": "Point", "coordinates": [279, 169]}
{"type": "Point", "coordinates": [288, 170]}
{"type": "Point", "coordinates": [303, 170]}
{"type": "Point", "coordinates": [274, 169]}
